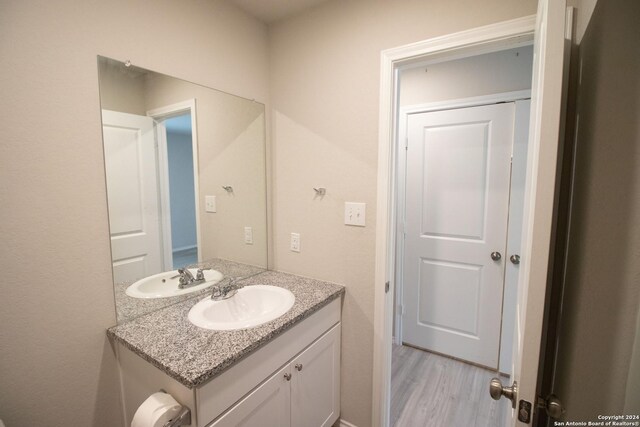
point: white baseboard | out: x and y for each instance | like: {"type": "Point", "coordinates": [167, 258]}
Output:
{"type": "Point", "coordinates": [344, 423]}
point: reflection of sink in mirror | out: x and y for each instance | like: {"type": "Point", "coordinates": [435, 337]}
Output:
{"type": "Point", "coordinates": [251, 306]}
{"type": "Point", "coordinates": [165, 285]}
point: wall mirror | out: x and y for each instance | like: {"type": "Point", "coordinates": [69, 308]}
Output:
{"type": "Point", "coordinates": [186, 186]}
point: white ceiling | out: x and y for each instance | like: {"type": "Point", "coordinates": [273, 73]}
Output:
{"type": "Point", "coordinates": [269, 11]}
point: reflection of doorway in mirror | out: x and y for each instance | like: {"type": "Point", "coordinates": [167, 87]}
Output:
{"type": "Point", "coordinates": [176, 134]}
{"type": "Point", "coordinates": [181, 196]}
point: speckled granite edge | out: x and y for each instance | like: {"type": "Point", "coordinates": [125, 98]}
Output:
{"type": "Point", "coordinates": [193, 355]}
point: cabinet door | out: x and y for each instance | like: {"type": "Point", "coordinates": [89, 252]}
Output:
{"type": "Point", "coordinates": [269, 405]}
{"type": "Point", "coordinates": [315, 386]}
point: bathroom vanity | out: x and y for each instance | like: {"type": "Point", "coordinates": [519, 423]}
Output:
{"type": "Point", "coordinates": [285, 372]}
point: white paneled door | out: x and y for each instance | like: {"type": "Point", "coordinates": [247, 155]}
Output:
{"type": "Point", "coordinates": [132, 187]}
{"type": "Point", "coordinates": [456, 214]}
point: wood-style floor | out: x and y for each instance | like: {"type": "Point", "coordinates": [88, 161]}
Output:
{"type": "Point", "coordinates": [428, 390]}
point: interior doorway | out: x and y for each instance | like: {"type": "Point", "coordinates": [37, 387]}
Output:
{"type": "Point", "coordinates": [177, 146]}
{"type": "Point", "coordinates": [460, 184]}
{"type": "Point", "coordinates": [552, 28]}
{"type": "Point", "coordinates": [179, 140]}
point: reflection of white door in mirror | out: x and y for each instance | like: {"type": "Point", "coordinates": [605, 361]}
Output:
{"type": "Point", "coordinates": [132, 189]}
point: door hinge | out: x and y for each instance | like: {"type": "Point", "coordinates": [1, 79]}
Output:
{"type": "Point", "coordinates": [406, 143]}
{"type": "Point", "coordinates": [386, 287]}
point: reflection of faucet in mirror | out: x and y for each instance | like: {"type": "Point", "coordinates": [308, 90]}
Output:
{"type": "Point", "coordinates": [187, 279]}
{"type": "Point", "coordinates": [227, 288]}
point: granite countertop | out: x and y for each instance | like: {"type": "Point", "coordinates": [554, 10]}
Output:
{"type": "Point", "coordinates": [128, 308]}
{"type": "Point", "coordinates": [193, 355]}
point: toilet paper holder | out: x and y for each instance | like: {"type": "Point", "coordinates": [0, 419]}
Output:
{"type": "Point", "coordinates": [182, 419]}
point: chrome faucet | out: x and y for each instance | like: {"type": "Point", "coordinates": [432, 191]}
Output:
{"type": "Point", "coordinates": [187, 279]}
{"type": "Point", "coordinates": [227, 288]}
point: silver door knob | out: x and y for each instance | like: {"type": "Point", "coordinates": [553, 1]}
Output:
{"type": "Point", "coordinates": [497, 390]}
{"type": "Point", "coordinates": [552, 405]}
{"type": "Point", "coordinates": [496, 256]}
{"type": "Point", "coordinates": [515, 259]}
{"type": "Point", "coordinates": [287, 376]}
{"type": "Point", "coordinates": [298, 367]}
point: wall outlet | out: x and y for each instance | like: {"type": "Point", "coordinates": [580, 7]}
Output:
{"type": "Point", "coordinates": [248, 235]}
{"type": "Point", "coordinates": [210, 203]}
{"type": "Point", "coordinates": [354, 213]}
{"type": "Point", "coordinates": [295, 242]}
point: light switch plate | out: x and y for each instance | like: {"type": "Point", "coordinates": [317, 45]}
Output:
{"type": "Point", "coordinates": [248, 235]}
{"type": "Point", "coordinates": [354, 213]}
{"type": "Point", "coordinates": [295, 242]}
{"type": "Point", "coordinates": [210, 203]}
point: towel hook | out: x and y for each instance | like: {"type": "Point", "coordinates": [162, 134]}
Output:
{"type": "Point", "coordinates": [321, 191]}
{"type": "Point", "coordinates": [228, 188]}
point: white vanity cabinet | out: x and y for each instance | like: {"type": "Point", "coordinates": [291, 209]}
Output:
{"type": "Point", "coordinates": [305, 392]}
{"type": "Point", "coordinates": [267, 405]}
{"type": "Point", "coordinates": [292, 380]}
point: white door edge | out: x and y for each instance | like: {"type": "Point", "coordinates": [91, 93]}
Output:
{"type": "Point", "coordinates": [466, 43]}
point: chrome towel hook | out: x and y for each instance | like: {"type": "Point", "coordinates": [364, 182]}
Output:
{"type": "Point", "coordinates": [321, 191]}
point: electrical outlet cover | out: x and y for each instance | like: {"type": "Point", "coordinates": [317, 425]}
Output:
{"type": "Point", "coordinates": [354, 213]}
{"type": "Point", "coordinates": [295, 242]}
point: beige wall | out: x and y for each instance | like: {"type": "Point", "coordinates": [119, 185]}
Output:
{"type": "Point", "coordinates": [600, 308]}
{"type": "Point", "coordinates": [497, 72]}
{"type": "Point", "coordinates": [124, 92]}
{"type": "Point", "coordinates": [324, 81]}
{"type": "Point", "coordinates": [56, 366]}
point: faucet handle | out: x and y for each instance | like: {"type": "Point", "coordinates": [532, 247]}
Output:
{"type": "Point", "coordinates": [200, 273]}
{"type": "Point", "coordinates": [217, 293]}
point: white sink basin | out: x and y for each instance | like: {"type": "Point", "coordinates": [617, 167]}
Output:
{"type": "Point", "coordinates": [251, 306]}
{"type": "Point", "coordinates": [164, 286]}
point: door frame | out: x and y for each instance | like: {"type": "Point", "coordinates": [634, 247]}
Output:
{"type": "Point", "coordinates": [490, 38]}
{"type": "Point", "coordinates": [400, 201]}
{"type": "Point", "coordinates": [161, 114]}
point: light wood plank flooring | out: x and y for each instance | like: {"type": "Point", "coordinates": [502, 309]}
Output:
{"type": "Point", "coordinates": [428, 390]}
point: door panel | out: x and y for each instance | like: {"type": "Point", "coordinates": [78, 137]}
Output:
{"type": "Point", "coordinates": [454, 167]}
{"type": "Point", "coordinates": [457, 195]}
{"type": "Point", "coordinates": [132, 187]}
{"type": "Point", "coordinates": [315, 387]}
{"type": "Point", "coordinates": [444, 285]}
{"type": "Point", "coordinates": [268, 405]}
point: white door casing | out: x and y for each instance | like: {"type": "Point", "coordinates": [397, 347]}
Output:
{"type": "Point", "coordinates": [457, 197]}
{"type": "Point", "coordinates": [132, 189]}
{"type": "Point", "coordinates": [159, 115]}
